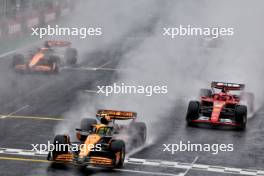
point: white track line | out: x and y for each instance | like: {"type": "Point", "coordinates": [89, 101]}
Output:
{"type": "Point", "coordinates": [12, 113]}
{"type": "Point", "coordinates": [90, 91]}
{"type": "Point", "coordinates": [146, 172]}
{"type": "Point", "coordinates": [108, 62]}
{"type": "Point", "coordinates": [107, 69]}
{"type": "Point", "coordinates": [8, 53]}
{"type": "Point", "coordinates": [89, 68]}
{"type": "Point", "coordinates": [156, 163]}
{"type": "Point", "coordinates": [186, 172]}
{"type": "Point", "coordinates": [33, 117]}
{"type": "Point", "coordinates": [199, 167]}
{"type": "Point", "coordinates": [18, 50]}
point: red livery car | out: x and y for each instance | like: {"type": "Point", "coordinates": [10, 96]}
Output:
{"type": "Point", "coordinates": [223, 104]}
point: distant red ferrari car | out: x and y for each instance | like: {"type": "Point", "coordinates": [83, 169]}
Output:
{"type": "Point", "coordinates": [229, 106]}
{"type": "Point", "coordinates": [47, 59]}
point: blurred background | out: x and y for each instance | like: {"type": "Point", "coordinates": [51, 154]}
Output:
{"type": "Point", "coordinates": [19, 16]}
{"type": "Point", "coordinates": [13, 8]}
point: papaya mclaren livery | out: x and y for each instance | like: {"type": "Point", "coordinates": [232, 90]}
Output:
{"type": "Point", "coordinates": [98, 143]}
{"type": "Point", "coordinates": [223, 104]}
{"type": "Point", "coordinates": [47, 59]}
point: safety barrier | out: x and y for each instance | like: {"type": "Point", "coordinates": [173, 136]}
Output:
{"type": "Point", "coordinates": [23, 22]}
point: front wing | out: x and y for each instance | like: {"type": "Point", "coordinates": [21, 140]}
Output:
{"type": "Point", "coordinates": [93, 160]}
{"type": "Point", "coordinates": [40, 68]}
{"type": "Point", "coordinates": [207, 120]}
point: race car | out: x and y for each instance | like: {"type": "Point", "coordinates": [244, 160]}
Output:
{"type": "Point", "coordinates": [47, 59]}
{"type": "Point", "coordinates": [98, 144]}
{"type": "Point", "coordinates": [223, 104]}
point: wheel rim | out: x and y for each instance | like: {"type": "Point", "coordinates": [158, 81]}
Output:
{"type": "Point", "coordinates": [122, 155]}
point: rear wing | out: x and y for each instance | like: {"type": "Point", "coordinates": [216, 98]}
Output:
{"type": "Point", "coordinates": [52, 43]}
{"type": "Point", "coordinates": [227, 86]}
{"type": "Point", "coordinates": [116, 115]}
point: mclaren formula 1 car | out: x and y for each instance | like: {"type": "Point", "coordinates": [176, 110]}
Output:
{"type": "Point", "coordinates": [223, 104]}
{"type": "Point", "coordinates": [47, 59]}
{"type": "Point", "coordinates": [99, 144]}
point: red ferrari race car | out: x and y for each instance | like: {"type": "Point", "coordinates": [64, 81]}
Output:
{"type": "Point", "coordinates": [223, 104]}
{"type": "Point", "coordinates": [47, 59]}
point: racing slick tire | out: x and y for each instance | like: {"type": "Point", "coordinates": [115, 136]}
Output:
{"type": "Point", "coordinates": [249, 99]}
{"type": "Point", "coordinates": [58, 141]}
{"type": "Point", "coordinates": [18, 59]}
{"type": "Point", "coordinates": [205, 93]}
{"type": "Point", "coordinates": [71, 56]}
{"type": "Point", "coordinates": [54, 62]}
{"type": "Point", "coordinates": [118, 148]}
{"type": "Point", "coordinates": [140, 128]}
{"type": "Point", "coordinates": [193, 112]}
{"type": "Point", "coordinates": [241, 117]}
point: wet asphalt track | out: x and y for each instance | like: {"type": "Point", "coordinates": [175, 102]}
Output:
{"type": "Point", "coordinates": [53, 95]}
